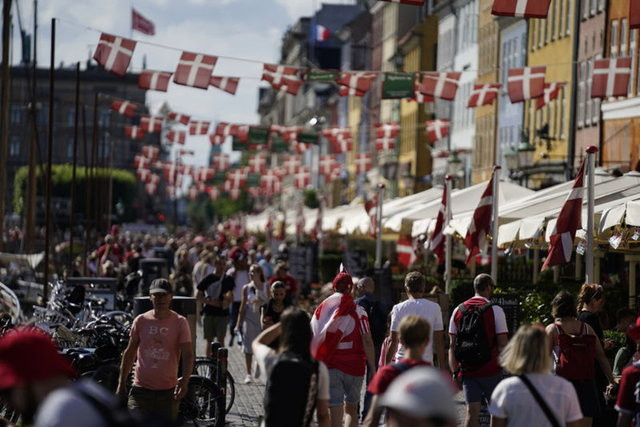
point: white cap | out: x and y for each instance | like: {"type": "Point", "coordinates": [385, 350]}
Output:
{"type": "Point", "coordinates": [421, 392]}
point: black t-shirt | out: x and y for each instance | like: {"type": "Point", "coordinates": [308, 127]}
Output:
{"type": "Point", "coordinates": [211, 285]}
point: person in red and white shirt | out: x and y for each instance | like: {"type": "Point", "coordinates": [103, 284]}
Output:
{"type": "Point", "coordinates": [480, 380]}
{"type": "Point", "coordinates": [627, 403]}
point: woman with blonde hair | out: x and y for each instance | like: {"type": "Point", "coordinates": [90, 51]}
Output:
{"type": "Point", "coordinates": [533, 396]}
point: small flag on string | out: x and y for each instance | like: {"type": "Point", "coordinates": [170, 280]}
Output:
{"type": "Point", "coordinates": [133, 132]}
{"type": "Point", "coordinates": [611, 77]}
{"type": "Point", "coordinates": [483, 94]}
{"type": "Point", "coordinates": [322, 33]}
{"type": "Point", "coordinates": [227, 84]}
{"type": "Point", "coordinates": [525, 83]}
{"type": "Point", "coordinates": [114, 53]}
{"type": "Point", "coordinates": [521, 8]}
{"type": "Point", "coordinates": [178, 117]}
{"type": "Point", "coordinates": [142, 24]}
{"type": "Point", "coordinates": [124, 107]}
{"type": "Point", "coordinates": [194, 69]}
{"type": "Point", "coordinates": [551, 91]}
{"type": "Point", "coordinates": [154, 80]}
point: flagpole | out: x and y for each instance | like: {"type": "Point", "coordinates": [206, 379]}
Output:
{"type": "Point", "coordinates": [494, 228]}
{"type": "Point", "coordinates": [378, 263]}
{"type": "Point", "coordinates": [591, 163]}
{"type": "Point", "coordinates": [448, 239]}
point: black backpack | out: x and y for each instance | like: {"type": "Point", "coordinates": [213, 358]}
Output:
{"type": "Point", "coordinates": [472, 344]}
{"type": "Point", "coordinates": [291, 392]}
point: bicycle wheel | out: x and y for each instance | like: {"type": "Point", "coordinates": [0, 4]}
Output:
{"type": "Point", "coordinates": [206, 368]}
{"type": "Point", "coordinates": [202, 402]}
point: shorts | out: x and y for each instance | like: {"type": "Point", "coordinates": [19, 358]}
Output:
{"type": "Point", "coordinates": [343, 388]}
{"type": "Point", "coordinates": [588, 397]}
{"type": "Point", "coordinates": [474, 388]}
{"type": "Point", "coordinates": [158, 403]}
{"type": "Point", "coordinates": [214, 326]}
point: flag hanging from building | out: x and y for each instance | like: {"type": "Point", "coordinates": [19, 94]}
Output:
{"type": "Point", "coordinates": [480, 226]}
{"type": "Point", "coordinates": [611, 77]}
{"type": "Point", "coordinates": [437, 129]}
{"type": "Point", "coordinates": [569, 221]}
{"type": "Point", "coordinates": [227, 84]}
{"type": "Point", "coordinates": [133, 132]}
{"type": "Point", "coordinates": [483, 94]}
{"type": "Point", "coordinates": [282, 78]}
{"type": "Point", "coordinates": [355, 83]}
{"type": "Point", "coordinates": [194, 69]}
{"type": "Point", "coordinates": [151, 124]}
{"type": "Point", "coordinates": [178, 117]}
{"type": "Point", "coordinates": [521, 8]}
{"type": "Point", "coordinates": [440, 85]}
{"type": "Point", "coordinates": [177, 136]}
{"type": "Point", "coordinates": [525, 83]}
{"type": "Point", "coordinates": [322, 33]}
{"type": "Point", "coordinates": [154, 80]}
{"type": "Point", "coordinates": [302, 178]}
{"type": "Point", "coordinates": [124, 107]}
{"type": "Point", "coordinates": [406, 254]}
{"type": "Point", "coordinates": [437, 242]}
{"type": "Point", "coordinates": [114, 53]}
{"type": "Point", "coordinates": [551, 92]}
{"type": "Point", "coordinates": [142, 24]}
{"type": "Point", "coordinates": [363, 162]}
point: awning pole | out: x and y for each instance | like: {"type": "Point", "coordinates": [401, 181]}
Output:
{"type": "Point", "coordinates": [591, 163]}
{"type": "Point", "coordinates": [494, 228]}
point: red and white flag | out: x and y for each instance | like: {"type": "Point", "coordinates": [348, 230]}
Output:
{"type": "Point", "coordinates": [326, 164]}
{"type": "Point", "coordinates": [483, 94]}
{"type": "Point", "coordinates": [634, 14]}
{"type": "Point", "coordinates": [151, 124]}
{"type": "Point", "coordinates": [150, 152]}
{"type": "Point", "coordinates": [336, 317]}
{"type": "Point", "coordinates": [411, 2]}
{"type": "Point", "coordinates": [154, 80]}
{"type": "Point", "coordinates": [143, 174]}
{"type": "Point", "coordinates": [342, 145]}
{"type": "Point", "coordinates": [180, 118]}
{"type": "Point", "coordinates": [291, 164]}
{"type": "Point", "coordinates": [203, 174]}
{"type": "Point", "coordinates": [199, 127]}
{"type": "Point", "coordinates": [302, 178]}
{"type": "Point", "coordinates": [124, 107]}
{"type": "Point", "coordinates": [213, 192]}
{"type": "Point", "coordinates": [114, 53]}
{"type": "Point", "coordinates": [525, 83]}
{"type": "Point", "coordinates": [569, 221]}
{"type": "Point", "coordinates": [142, 24]}
{"type": "Point", "coordinates": [551, 92]}
{"type": "Point", "coordinates": [440, 85]}
{"type": "Point", "coordinates": [151, 188]}
{"type": "Point", "coordinates": [322, 33]}
{"type": "Point", "coordinates": [521, 8]}
{"type": "Point", "coordinates": [283, 78]}
{"type": "Point", "coordinates": [221, 161]}
{"type": "Point", "coordinates": [611, 77]}
{"type": "Point", "coordinates": [437, 129]}
{"type": "Point", "coordinates": [257, 163]}
{"type": "Point", "coordinates": [177, 136]}
{"type": "Point", "coordinates": [227, 84]}
{"type": "Point", "coordinates": [437, 241]}
{"type": "Point", "coordinates": [370, 207]}
{"type": "Point", "coordinates": [420, 97]}
{"type": "Point", "coordinates": [270, 183]}
{"type": "Point", "coordinates": [194, 69]}
{"type": "Point", "coordinates": [133, 132]}
{"type": "Point", "coordinates": [355, 83]}
{"type": "Point", "coordinates": [406, 254]}
{"type": "Point", "coordinates": [300, 147]}
{"type": "Point", "coordinates": [387, 130]}
{"type": "Point", "coordinates": [363, 162]}
{"type": "Point", "coordinates": [141, 161]}
{"type": "Point", "coordinates": [480, 226]}
{"type": "Point", "coordinates": [236, 178]}
{"type": "Point", "coordinates": [383, 144]}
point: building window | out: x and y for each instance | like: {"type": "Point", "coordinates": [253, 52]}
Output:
{"type": "Point", "coordinates": [104, 118]}
{"type": "Point", "coordinates": [613, 39]}
{"type": "Point", "coordinates": [561, 113]}
{"type": "Point", "coordinates": [567, 16]}
{"type": "Point", "coordinates": [584, 6]}
{"type": "Point", "coordinates": [587, 114]}
{"type": "Point", "coordinates": [14, 146]}
{"type": "Point", "coordinates": [634, 58]}
{"type": "Point", "coordinates": [624, 23]}
{"type": "Point", "coordinates": [16, 114]}
{"type": "Point", "coordinates": [601, 5]}
{"type": "Point", "coordinates": [71, 116]}
{"type": "Point", "coordinates": [69, 148]}
{"type": "Point", "coordinates": [556, 19]}
{"type": "Point", "coordinates": [594, 5]}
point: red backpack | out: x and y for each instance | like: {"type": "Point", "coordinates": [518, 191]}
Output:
{"type": "Point", "coordinates": [575, 359]}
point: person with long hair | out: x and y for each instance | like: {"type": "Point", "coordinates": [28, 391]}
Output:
{"type": "Point", "coordinates": [254, 295]}
{"type": "Point", "coordinates": [296, 383]}
{"type": "Point", "coordinates": [271, 311]}
{"type": "Point", "coordinates": [576, 349]}
{"type": "Point", "coordinates": [527, 358]}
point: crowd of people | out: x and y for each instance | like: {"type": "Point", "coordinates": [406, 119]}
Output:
{"type": "Point", "coordinates": [317, 359]}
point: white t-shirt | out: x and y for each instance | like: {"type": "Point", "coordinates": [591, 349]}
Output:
{"type": "Point", "coordinates": [512, 400]}
{"type": "Point", "coordinates": [424, 308]}
{"type": "Point", "coordinates": [266, 358]}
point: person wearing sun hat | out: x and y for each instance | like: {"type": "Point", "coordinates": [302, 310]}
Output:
{"type": "Point", "coordinates": [626, 403]}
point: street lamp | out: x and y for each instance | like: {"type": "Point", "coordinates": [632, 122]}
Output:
{"type": "Point", "coordinates": [398, 60]}
{"type": "Point", "coordinates": [511, 159]}
{"type": "Point", "coordinates": [454, 164]}
{"type": "Point", "coordinates": [526, 152]}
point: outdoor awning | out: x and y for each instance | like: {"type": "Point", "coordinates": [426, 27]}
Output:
{"type": "Point", "coordinates": [28, 260]}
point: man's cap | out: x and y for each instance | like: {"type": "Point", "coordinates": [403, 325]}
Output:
{"type": "Point", "coordinates": [342, 282]}
{"type": "Point", "coordinates": [28, 355]}
{"type": "Point", "coordinates": [160, 286]}
{"type": "Point", "coordinates": [421, 392]}
{"type": "Point", "coordinates": [634, 331]}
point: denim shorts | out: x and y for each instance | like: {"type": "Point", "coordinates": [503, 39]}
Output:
{"type": "Point", "coordinates": [343, 388]}
{"type": "Point", "coordinates": [475, 388]}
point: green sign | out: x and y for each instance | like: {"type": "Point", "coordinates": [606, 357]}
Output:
{"type": "Point", "coordinates": [308, 137]}
{"type": "Point", "coordinates": [239, 145]}
{"type": "Point", "coordinates": [398, 85]}
{"type": "Point", "coordinates": [258, 135]}
{"type": "Point", "coordinates": [278, 145]}
{"type": "Point", "coordinates": [316, 75]}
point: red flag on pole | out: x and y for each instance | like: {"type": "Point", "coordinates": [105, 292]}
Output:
{"type": "Point", "coordinates": [480, 225]}
{"type": "Point", "coordinates": [142, 24]}
{"type": "Point", "coordinates": [406, 254]}
{"type": "Point", "coordinates": [569, 221]}
{"type": "Point", "coordinates": [437, 239]}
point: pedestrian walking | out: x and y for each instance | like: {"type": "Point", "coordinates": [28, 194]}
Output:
{"type": "Point", "coordinates": [254, 295]}
{"type": "Point", "coordinates": [627, 403]}
{"type": "Point", "coordinates": [575, 348]}
{"type": "Point", "coordinates": [159, 339]}
{"type": "Point", "coordinates": [240, 275]}
{"type": "Point", "coordinates": [296, 383]}
{"type": "Point", "coordinates": [271, 311]}
{"type": "Point", "coordinates": [342, 340]}
{"type": "Point", "coordinates": [533, 396]}
{"type": "Point", "coordinates": [414, 285]}
{"type": "Point", "coordinates": [478, 332]}
{"type": "Point", "coordinates": [281, 274]}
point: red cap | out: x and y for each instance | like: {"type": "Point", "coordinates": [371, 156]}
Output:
{"type": "Point", "coordinates": [634, 332]}
{"type": "Point", "coordinates": [28, 355]}
{"type": "Point", "coordinates": [342, 282]}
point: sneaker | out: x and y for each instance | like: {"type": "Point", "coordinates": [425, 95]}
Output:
{"type": "Point", "coordinates": [231, 340]}
{"type": "Point", "coordinates": [248, 379]}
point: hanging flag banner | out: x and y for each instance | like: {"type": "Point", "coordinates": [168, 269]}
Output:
{"type": "Point", "coordinates": [258, 135]}
{"type": "Point", "coordinates": [316, 75]}
{"type": "Point", "coordinates": [308, 137]}
{"type": "Point", "coordinates": [398, 85]}
{"type": "Point", "coordinates": [278, 145]}
{"type": "Point", "coordinates": [239, 145]}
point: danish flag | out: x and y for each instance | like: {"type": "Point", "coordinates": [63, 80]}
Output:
{"type": "Point", "coordinates": [151, 123]}
{"type": "Point", "coordinates": [406, 254]}
{"type": "Point", "coordinates": [143, 174]}
{"type": "Point", "coordinates": [370, 207]}
{"type": "Point", "coordinates": [291, 164]}
{"type": "Point", "coordinates": [551, 91]}
{"type": "Point", "coordinates": [194, 69]}
{"type": "Point", "coordinates": [521, 8]}
{"type": "Point", "coordinates": [525, 83]}
{"type": "Point", "coordinates": [326, 164]}
{"type": "Point", "coordinates": [342, 145]}
{"type": "Point", "coordinates": [283, 78]}
{"type": "Point", "coordinates": [257, 163]}
{"type": "Point", "coordinates": [204, 174]}
{"type": "Point", "coordinates": [437, 242]}
{"type": "Point", "coordinates": [223, 129]}
{"type": "Point", "coordinates": [198, 127]}
{"type": "Point", "coordinates": [383, 144]}
{"type": "Point", "coordinates": [355, 83]}
{"type": "Point", "coordinates": [420, 97]}
{"type": "Point", "coordinates": [335, 133]}
{"type": "Point", "coordinates": [150, 152]}
{"type": "Point", "coordinates": [221, 161]}
{"type": "Point", "coordinates": [114, 53]}
{"type": "Point", "coordinates": [193, 192]}
{"type": "Point", "coordinates": [177, 136]}
{"type": "Point", "coordinates": [141, 161]}
{"type": "Point", "coordinates": [154, 178]}
{"type": "Point", "coordinates": [290, 133]}
{"type": "Point", "coordinates": [227, 84]}
{"type": "Point", "coordinates": [569, 221]}
{"type": "Point", "coordinates": [123, 107]}
{"type": "Point", "coordinates": [634, 14]}
{"type": "Point", "coordinates": [610, 77]}
{"type": "Point", "coordinates": [236, 178]}
{"type": "Point", "coordinates": [440, 85]}
{"type": "Point", "coordinates": [151, 188]}
{"type": "Point", "coordinates": [480, 225]}
{"type": "Point", "coordinates": [270, 183]}
{"type": "Point", "coordinates": [301, 147]}
{"type": "Point", "coordinates": [363, 162]}
{"type": "Point", "coordinates": [302, 178]}
{"type": "Point", "coordinates": [437, 129]}
{"type": "Point", "coordinates": [483, 94]}
{"type": "Point", "coordinates": [154, 80]}
{"type": "Point", "coordinates": [387, 130]}
{"type": "Point", "coordinates": [213, 193]}
{"type": "Point", "coordinates": [178, 117]}
{"type": "Point", "coordinates": [133, 132]}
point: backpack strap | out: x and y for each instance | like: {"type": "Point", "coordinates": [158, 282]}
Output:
{"type": "Point", "coordinates": [463, 308]}
{"type": "Point", "coordinates": [543, 405]}
{"type": "Point", "coordinates": [485, 307]}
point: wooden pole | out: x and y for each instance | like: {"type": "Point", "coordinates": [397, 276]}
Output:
{"type": "Point", "coordinates": [4, 109]}
{"type": "Point", "coordinates": [74, 188]}
{"type": "Point", "coordinates": [32, 187]}
{"type": "Point", "coordinates": [47, 238]}
{"type": "Point", "coordinates": [87, 182]}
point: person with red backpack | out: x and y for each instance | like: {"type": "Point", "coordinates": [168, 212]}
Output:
{"type": "Point", "coordinates": [575, 349]}
{"type": "Point", "coordinates": [478, 332]}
